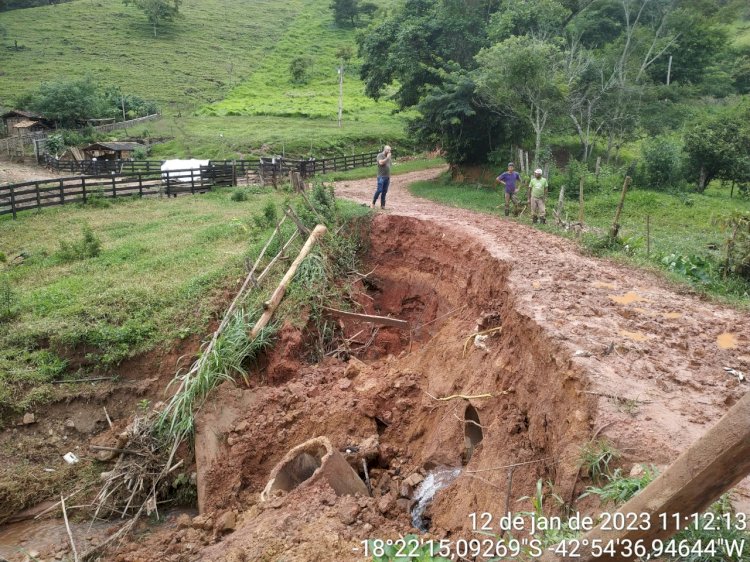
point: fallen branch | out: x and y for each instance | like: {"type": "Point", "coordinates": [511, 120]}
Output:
{"type": "Point", "coordinates": [106, 414]}
{"type": "Point", "coordinates": [116, 450]}
{"type": "Point", "coordinates": [463, 396]}
{"type": "Point", "coordinates": [67, 526]}
{"type": "Point", "coordinates": [53, 507]}
{"type": "Point", "coordinates": [383, 320]}
{"type": "Point", "coordinates": [95, 379]}
{"type": "Point", "coordinates": [271, 305]}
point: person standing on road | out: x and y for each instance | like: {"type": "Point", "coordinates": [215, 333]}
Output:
{"type": "Point", "coordinates": [384, 176]}
{"type": "Point", "coordinates": [538, 187]}
{"type": "Point", "coordinates": [509, 179]}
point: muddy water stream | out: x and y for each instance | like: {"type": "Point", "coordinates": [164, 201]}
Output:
{"type": "Point", "coordinates": [433, 482]}
{"type": "Point", "coordinates": [49, 535]}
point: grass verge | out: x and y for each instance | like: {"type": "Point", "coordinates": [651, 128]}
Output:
{"type": "Point", "coordinates": [681, 224]}
{"type": "Point", "coordinates": [159, 275]}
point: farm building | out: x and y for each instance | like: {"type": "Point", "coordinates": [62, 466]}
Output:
{"type": "Point", "coordinates": [19, 123]}
{"type": "Point", "coordinates": [111, 150]}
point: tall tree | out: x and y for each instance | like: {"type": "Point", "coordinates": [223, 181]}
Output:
{"type": "Point", "coordinates": [523, 76]}
{"type": "Point", "coordinates": [157, 11]}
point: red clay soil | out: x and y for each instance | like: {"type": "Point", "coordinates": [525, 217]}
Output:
{"type": "Point", "coordinates": [579, 347]}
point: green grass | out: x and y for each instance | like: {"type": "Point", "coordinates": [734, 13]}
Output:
{"type": "Point", "coordinates": [399, 167]}
{"type": "Point", "coordinates": [213, 45]}
{"type": "Point", "coordinates": [220, 73]}
{"type": "Point", "coordinates": [158, 277]}
{"type": "Point", "coordinates": [240, 137]}
{"type": "Point", "coordinates": [681, 224]}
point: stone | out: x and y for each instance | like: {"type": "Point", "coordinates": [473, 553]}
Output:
{"type": "Point", "coordinates": [29, 418]}
{"type": "Point", "coordinates": [354, 368]}
{"type": "Point", "coordinates": [414, 479]}
{"type": "Point", "coordinates": [348, 510]}
{"type": "Point", "coordinates": [386, 503]}
{"type": "Point", "coordinates": [344, 384]}
{"type": "Point", "coordinates": [406, 491]}
{"type": "Point", "coordinates": [403, 504]}
{"type": "Point", "coordinates": [226, 522]}
{"type": "Point", "coordinates": [637, 471]}
{"type": "Point", "coordinates": [203, 522]}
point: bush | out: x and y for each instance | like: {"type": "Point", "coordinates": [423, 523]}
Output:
{"type": "Point", "coordinates": [299, 69]}
{"type": "Point", "coordinates": [694, 267]}
{"type": "Point", "coordinates": [267, 218]}
{"type": "Point", "coordinates": [662, 162]}
{"type": "Point", "coordinates": [238, 195]}
{"type": "Point", "coordinates": [89, 246]}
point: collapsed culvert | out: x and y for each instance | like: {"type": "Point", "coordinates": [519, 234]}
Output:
{"type": "Point", "coordinates": [472, 432]}
{"type": "Point", "coordinates": [310, 462]}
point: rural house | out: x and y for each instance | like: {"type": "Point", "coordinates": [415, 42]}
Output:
{"type": "Point", "coordinates": [111, 150]}
{"type": "Point", "coordinates": [20, 123]}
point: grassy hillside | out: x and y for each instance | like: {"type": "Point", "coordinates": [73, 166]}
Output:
{"type": "Point", "coordinates": [155, 280]}
{"type": "Point", "coordinates": [194, 60]}
{"type": "Point", "coordinates": [220, 73]}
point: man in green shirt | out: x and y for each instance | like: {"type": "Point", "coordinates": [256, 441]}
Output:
{"type": "Point", "coordinates": [538, 186]}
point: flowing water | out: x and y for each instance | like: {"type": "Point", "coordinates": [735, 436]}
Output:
{"type": "Point", "coordinates": [425, 492]}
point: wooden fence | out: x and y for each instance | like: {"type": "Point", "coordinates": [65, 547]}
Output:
{"type": "Point", "coordinates": [16, 145]}
{"type": "Point", "coordinates": [79, 189]}
{"type": "Point", "coordinates": [266, 169]}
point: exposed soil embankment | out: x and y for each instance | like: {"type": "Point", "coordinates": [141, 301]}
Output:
{"type": "Point", "coordinates": [387, 410]}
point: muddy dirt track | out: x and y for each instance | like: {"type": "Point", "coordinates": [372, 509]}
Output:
{"type": "Point", "coordinates": [575, 348]}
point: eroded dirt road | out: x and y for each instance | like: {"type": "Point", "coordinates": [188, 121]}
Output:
{"type": "Point", "coordinates": [670, 346]}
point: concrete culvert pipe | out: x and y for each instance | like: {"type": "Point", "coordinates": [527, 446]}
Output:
{"type": "Point", "coordinates": [308, 463]}
{"type": "Point", "coordinates": [472, 432]}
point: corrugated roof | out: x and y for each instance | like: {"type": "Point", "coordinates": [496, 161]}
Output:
{"type": "Point", "coordinates": [117, 146]}
{"type": "Point", "coordinates": [26, 123]}
{"type": "Point", "coordinates": [22, 113]}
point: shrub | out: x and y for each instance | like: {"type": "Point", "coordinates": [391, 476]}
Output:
{"type": "Point", "coordinates": [695, 267]}
{"type": "Point", "coordinates": [267, 218]}
{"type": "Point", "coordinates": [299, 69]}
{"type": "Point", "coordinates": [619, 488]}
{"type": "Point", "coordinates": [8, 300]}
{"type": "Point", "coordinates": [662, 162]}
{"type": "Point", "coordinates": [89, 246]}
{"type": "Point", "coordinates": [238, 195]}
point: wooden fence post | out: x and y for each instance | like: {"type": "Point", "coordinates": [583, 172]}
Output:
{"type": "Point", "coordinates": [114, 189]}
{"type": "Point", "coordinates": [615, 226]}
{"type": "Point", "coordinates": [62, 193]}
{"type": "Point", "coordinates": [12, 201]}
{"type": "Point", "coordinates": [140, 185]}
{"type": "Point", "coordinates": [38, 196]}
{"type": "Point", "coordinates": [580, 202]}
{"type": "Point", "coordinates": [648, 236]}
{"type": "Point", "coordinates": [192, 182]}
{"type": "Point", "coordinates": [83, 187]}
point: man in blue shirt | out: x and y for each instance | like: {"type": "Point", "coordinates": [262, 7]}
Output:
{"type": "Point", "coordinates": [511, 180]}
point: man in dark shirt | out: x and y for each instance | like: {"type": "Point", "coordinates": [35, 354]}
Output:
{"type": "Point", "coordinates": [511, 180]}
{"type": "Point", "coordinates": [384, 176]}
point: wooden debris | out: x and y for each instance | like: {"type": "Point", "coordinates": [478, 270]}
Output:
{"type": "Point", "coordinates": [382, 320]}
{"type": "Point", "coordinates": [278, 294]}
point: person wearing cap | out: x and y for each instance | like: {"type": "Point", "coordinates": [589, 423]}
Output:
{"type": "Point", "coordinates": [509, 179]}
{"type": "Point", "coordinates": [538, 187]}
{"type": "Point", "coordinates": [384, 176]}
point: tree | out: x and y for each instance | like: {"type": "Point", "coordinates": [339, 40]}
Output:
{"type": "Point", "coordinates": [523, 76]}
{"type": "Point", "coordinates": [718, 147]}
{"type": "Point", "coordinates": [157, 11]}
{"type": "Point", "coordinates": [68, 104]}
{"type": "Point", "coordinates": [345, 12]}
{"type": "Point", "coordinates": [542, 19]}
{"type": "Point", "coordinates": [299, 69]}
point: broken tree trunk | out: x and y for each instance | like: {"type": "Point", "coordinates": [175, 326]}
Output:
{"type": "Point", "coordinates": [615, 224]}
{"type": "Point", "coordinates": [709, 467]}
{"type": "Point", "coordinates": [580, 202]}
{"type": "Point", "coordinates": [271, 305]}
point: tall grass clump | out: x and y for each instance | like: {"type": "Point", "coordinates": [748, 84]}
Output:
{"type": "Point", "coordinates": [89, 246]}
{"type": "Point", "coordinates": [220, 362]}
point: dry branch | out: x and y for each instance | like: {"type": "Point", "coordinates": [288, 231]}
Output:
{"type": "Point", "coordinates": [482, 333]}
{"type": "Point", "coordinates": [383, 320]}
{"type": "Point", "coordinates": [278, 294]}
{"type": "Point", "coordinates": [67, 526]}
{"type": "Point", "coordinates": [463, 396]}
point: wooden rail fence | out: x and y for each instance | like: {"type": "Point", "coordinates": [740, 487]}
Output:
{"type": "Point", "coordinates": [38, 194]}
